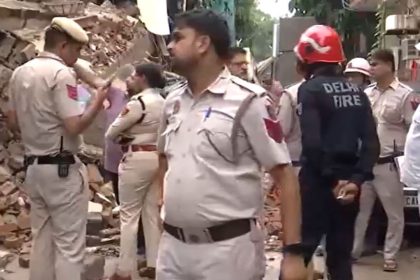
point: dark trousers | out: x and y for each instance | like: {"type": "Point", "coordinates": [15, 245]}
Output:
{"type": "Point", "coordinates": [113, 177]}
{"type": "Point", "coordinates": [323, 215]}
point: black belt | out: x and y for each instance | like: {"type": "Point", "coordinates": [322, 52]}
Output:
{"type": "Point", "coordinates": [217, 233]}
{"type": "Point", "coordinates": [56, 159]}
{"type": "Point", "coordinates": [296, 164]}
{"type": "Point", "coordinates": [384, 160]}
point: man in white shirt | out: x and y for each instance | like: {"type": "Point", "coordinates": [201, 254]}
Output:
{"type": "Point", "coordinates": [410, 167]}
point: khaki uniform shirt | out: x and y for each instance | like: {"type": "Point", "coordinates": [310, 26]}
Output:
{"type": "Point", "coordinates": [203, 185]}
{"type": "Point", "coordinates": [290, 121]}
{"type": "Point", "coordinates": [139, 120]}
{"type": "Point", "coordinates": [393, 111]}
{"type": "Point", "coordinates": [43, 92]}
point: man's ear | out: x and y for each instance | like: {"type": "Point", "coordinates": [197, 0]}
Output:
{"type": "Point", "coordinates": [203, 44]}
{"type": "Point", "coordinates": [62, 44]}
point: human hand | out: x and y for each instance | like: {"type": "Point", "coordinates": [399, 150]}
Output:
{"type": "Point", "coordinates": [348, 193]}
{"type": "Point", "coordinates": [337, 188]}
{"type": "Point", "coordinates": [293, 268]}
{"type": "Point", "coordinates": [277, 89]}
{"type": "Point", "coordinates": [101, 94]}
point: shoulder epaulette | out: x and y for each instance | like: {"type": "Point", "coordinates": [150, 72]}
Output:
{"type": "Point", "coordinates": [259, 90]}
{"type": "Point", "coordinates": [405, 86]}
{"type": "Point", "coordinates": [176, 86]}
{"type": "Point", "coordinates": [293, 85]}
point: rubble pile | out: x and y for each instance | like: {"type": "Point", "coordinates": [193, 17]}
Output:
{"type": "Point", "coordinates": [103, 222]}
{"type": "Point", "coordinates": [115, 38]}
{"type": "Point", "coordinates": [113, 34]}
{"type": "Point", "coordinates": [271, 215]}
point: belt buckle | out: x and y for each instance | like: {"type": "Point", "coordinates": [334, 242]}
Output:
{"type": "Point", "coordinates": [196, 235]}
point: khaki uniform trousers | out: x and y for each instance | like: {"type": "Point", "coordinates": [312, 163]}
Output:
{"type": "Point", "coordinates": [58, 220]}
{"type": "Point", "coordinates": [139, 195]}
{"type": "Point", "coordinates": [390, 191]}
{"type": "Point", "coordinates": [240, 258]}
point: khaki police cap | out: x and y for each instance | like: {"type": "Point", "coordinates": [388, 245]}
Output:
{"type": "Point", "coordinates": [72, 28]}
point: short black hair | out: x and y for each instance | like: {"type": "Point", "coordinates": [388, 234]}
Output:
{"type": "Point", "coordinates": [208, 22]}
{"type": "Point", "coordinates": [233, 51]}
{"type": "Point", "coordinates": [153, 73]}
{"type": "Point", "coordinates": [53, 36]}
{"type": "Point", "coordinates": [384, 55]}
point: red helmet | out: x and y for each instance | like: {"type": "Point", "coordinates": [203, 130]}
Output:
{"type": "Point", "coordinates": [319, 43]}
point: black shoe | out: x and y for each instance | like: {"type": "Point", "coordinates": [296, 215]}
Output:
{"type": "Point", "coordinates": [148, 272]}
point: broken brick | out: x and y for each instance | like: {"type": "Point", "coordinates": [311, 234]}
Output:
{"type": "Point", "coordinates": [24, 220]}
{"type": "Point", "coordinates": [7, 188]}
{"type": "Point", "coordinates": [24, 260]}
{"type": "Point", "coordinates": [109, 232]}
{"type": "Point", "coordinates": [94, 175]}
{"type": "Point", "coordinates": [13, 242]}
{"type": "Point", "coordinates": [93, 267]}
{"type": "Point", "coordinates": [94, 223]}
{"type": "Point", "coordinates": [9, 219]}
{"type": "Point", "coordinates": [7, 42]}
{"type": "Point", "coordinates": [5, 74]}
{"type": "Point", "coordinates": [5, 174]}
{"type": "Point", "coordinates": [92, 240]}
{"type": "Point", "coordinates": [111, 240]}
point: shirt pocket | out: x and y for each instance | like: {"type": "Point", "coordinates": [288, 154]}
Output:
{"type": "Point", "coordinates": [391, 113]}
{"type": "Point", "coordinates": [169, 135]}
{"type": "Point", "coordinates": [214, 138]}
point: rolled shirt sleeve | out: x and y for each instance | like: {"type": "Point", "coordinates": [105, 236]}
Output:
{"type": "Point", "coordinates": [265, 135]}
{"type": "Point", "coordinates": [410, 104]}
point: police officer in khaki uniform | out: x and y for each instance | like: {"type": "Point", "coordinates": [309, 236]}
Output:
{"type": "Point", "coordinates": [290, 122]}
{"type": "Point", "coordinates": [136, 129]}
{"type": "Point", "coordinates": [393, 111]}
{"type": "Point", "coordinates": [216, 135]}
{"type": "Point", "coordinates": [44, 107]}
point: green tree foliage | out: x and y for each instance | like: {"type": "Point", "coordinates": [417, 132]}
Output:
{"type": "Point", "coordinates": [349, 24]}
{"type": "Point", "coordinates": [254, 29]}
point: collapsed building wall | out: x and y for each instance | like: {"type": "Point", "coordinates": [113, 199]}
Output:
{"type": "Point", "coordinates": [115, 39]}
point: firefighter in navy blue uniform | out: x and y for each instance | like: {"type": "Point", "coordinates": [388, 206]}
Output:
{"type": "Point", "coordinates": [339, 148]}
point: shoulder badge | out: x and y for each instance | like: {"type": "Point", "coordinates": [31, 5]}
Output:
{"type": "Point", "coordinates": [72, 92]}
{"type": "Point", "coordinates": [274, 129]}
{"type": "Point", "coordinates": [415, 101]}
{"type": "Point", "coordinates": [125, 111]}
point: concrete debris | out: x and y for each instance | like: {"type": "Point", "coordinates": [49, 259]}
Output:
{"type": "Point", "coordinates": [13, 242]}
{"type": "Point", "coordinates": [93, 267]}
{"type": "Point", "coordinates": [272, 217]}
{"type": "Point", "coordinates": [106, 251]}
{"type": "Point", "coordinates": [24, 260]}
